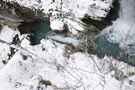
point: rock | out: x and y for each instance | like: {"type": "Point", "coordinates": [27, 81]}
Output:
{"type": "Point", "coordinates": [46, 82]}
{"type": "Point", "coordinates": [95, 25]}
{"type": "Point", "coordinates": [11, 24]}
{"type": "Point", "coordinates": [4, 61]}
{"type": "Point", "coordinates": [0, 27]}
{"type": "Point", "coordinates": [9, 16]}
{"type": "Point", "coordinates": [9, 13]}
{"type": "Point", "coordinates": [13, 15]}
{"type": "Point", "coordinates": [82, 47]}
{"type": "Point", "coordinates": [89, 47]}
{"type": "Point", "coordinates": [28, 13]}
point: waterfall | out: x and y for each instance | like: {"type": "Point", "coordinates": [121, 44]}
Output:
{"type": "Point", "coordinates": [118, 40]}
{"type": "Point", "coordinates": [123, 29]}
{"type": "Point", "coordinates": [127, 13]}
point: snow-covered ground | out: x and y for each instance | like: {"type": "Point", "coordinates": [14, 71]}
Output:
{"type": "Point", "coordinates": [77, 7]}
{"type": "Point", "coordinates": [31, 67]}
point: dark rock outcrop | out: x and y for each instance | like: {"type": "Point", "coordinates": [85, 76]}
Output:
{"type": "Point", "coordinates": [12, 14]}
{"type": "Point", "coordinates": [9, 16]}
{"type": "Point", "coordinates": [96, 25]}
{"type": "Point", "coordinates": [29, 13]}
{"type": "Point", "coordinates": [0, 27]}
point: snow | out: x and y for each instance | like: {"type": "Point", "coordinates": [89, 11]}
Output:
{"type": "Point", "coordinates": [6, 39]}
{"type": "Point", "coordinates": [57, 25]}
{"type": "Point", "coordinates": [63, 39]}
{"type": "Point", "coordinates": [7, 34]}
{"type": "Point", "coordinates": [75, 25]}
{"type": "Point", "coordinates": [49, 61]}
{"type": "Point", "coordinates": [4, 51]}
